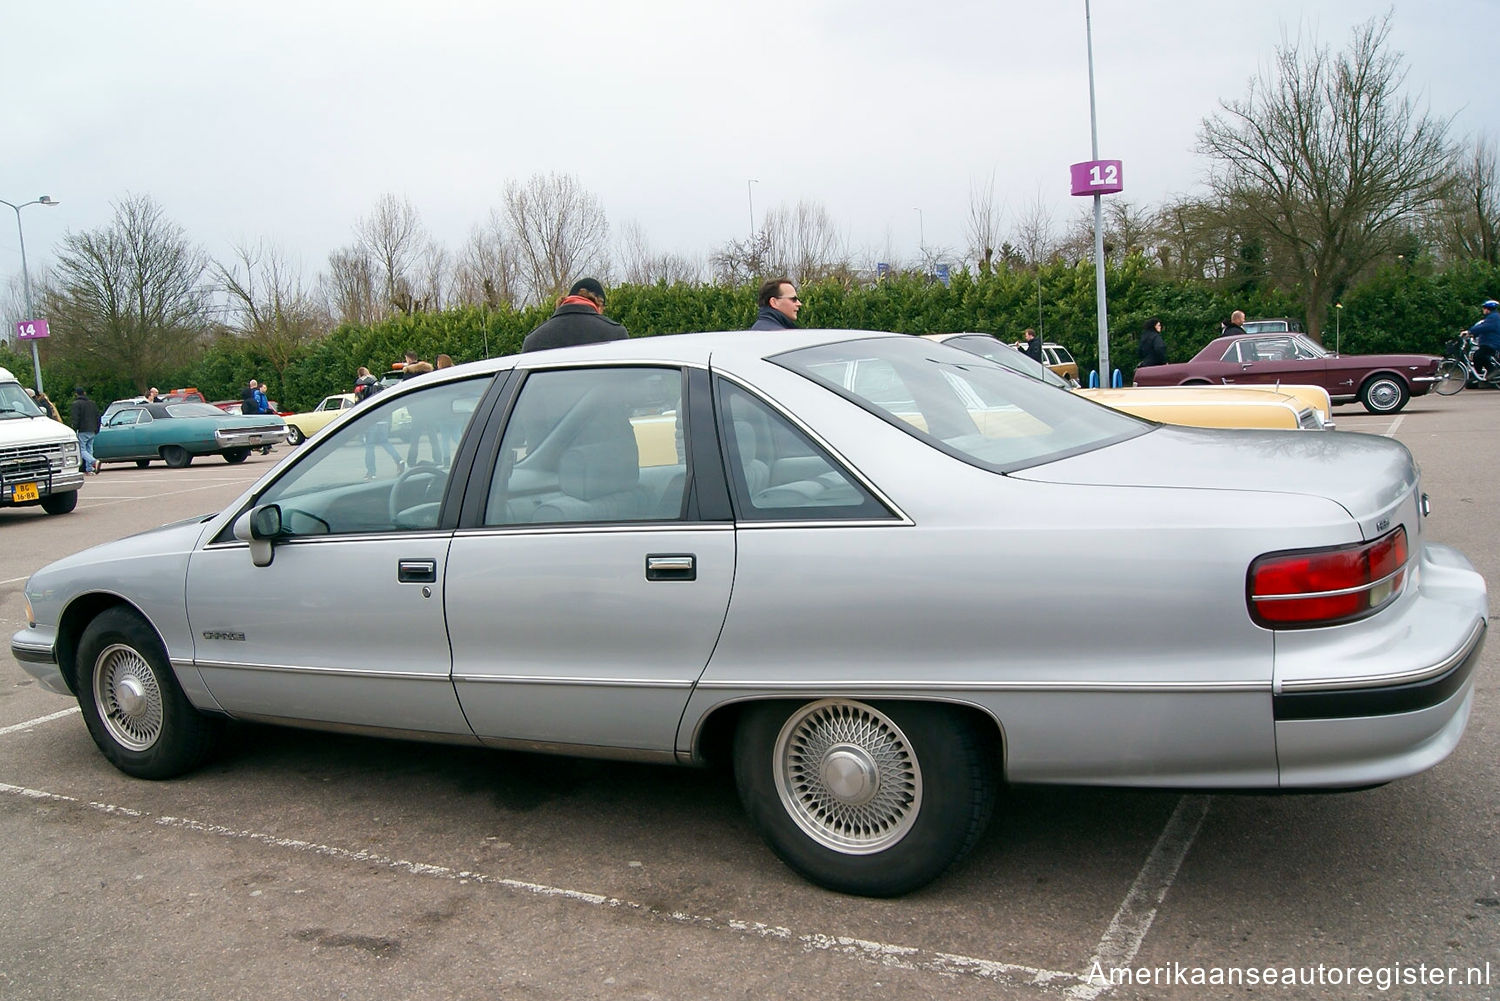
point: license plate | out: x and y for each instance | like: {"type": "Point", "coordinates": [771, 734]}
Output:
{"type": "Point", "coordinates": [24, 492]}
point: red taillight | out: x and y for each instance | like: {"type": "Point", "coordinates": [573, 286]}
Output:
{"type": "Point", "coordinates": [1327, 586]}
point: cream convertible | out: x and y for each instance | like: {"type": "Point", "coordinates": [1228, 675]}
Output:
{"type": "Point", "coordinates": [707, 545]}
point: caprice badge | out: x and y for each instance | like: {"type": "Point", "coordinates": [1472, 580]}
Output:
{"type": "Point", "coordinates": [222, 634]}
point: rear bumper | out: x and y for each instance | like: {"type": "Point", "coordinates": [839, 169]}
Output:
{"type": "Point", "coordinates": [249, 439]}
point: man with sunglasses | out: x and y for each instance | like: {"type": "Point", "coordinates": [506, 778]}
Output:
{"type": "Point", "coordinates": [778, 305]}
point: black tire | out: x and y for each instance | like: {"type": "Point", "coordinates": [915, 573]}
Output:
{"type": "Point", "coordinates": [60, 503]}
{"type": "Point", "coordinates": [236, 456]}
{"type": "Point", "coordinates": [1384, 394]}
{"type": "Point", "coordinates": [920, 783]}
{"type": "Point", "coordinates": [1450, 378]}
{"type": "Point", "coordinates": [143, 463]}
{"type": "Point", "coordinates": [131, 702]}
{"type": "Point", "coordinates": [294, 435]}
{"type": "Point", "coordinates": [176, 456]}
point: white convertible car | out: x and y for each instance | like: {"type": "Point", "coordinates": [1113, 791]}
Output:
{"type": "Point", "coordinates": [843, 560]}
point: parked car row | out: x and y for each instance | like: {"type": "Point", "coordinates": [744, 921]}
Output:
{"type": "Point", "coordinates": [841, 562]}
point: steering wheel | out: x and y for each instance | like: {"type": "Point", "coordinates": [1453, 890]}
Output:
{"type": "Point", "coordinates": [423, 470]}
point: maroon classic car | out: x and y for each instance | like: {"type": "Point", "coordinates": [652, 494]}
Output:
{"type": "Point", "coordinates": [1383, 383]}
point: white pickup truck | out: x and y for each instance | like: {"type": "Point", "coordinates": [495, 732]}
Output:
{"type": "Point", "coordinates": [38, 456]}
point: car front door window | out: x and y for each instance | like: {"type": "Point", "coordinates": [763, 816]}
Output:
{"type": "Point", "coordinates": [368, 476]}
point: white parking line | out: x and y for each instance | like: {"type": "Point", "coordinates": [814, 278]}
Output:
{"type": "Point", "coordinates": [1390, 432]}
{"type": "Point", "coordinates": [14, 727]}
{"type": "Point", "coordinates": [1123, 938]}
{"type": "Point", "coordinates": [15, 580]}
{"type": "Point", "coordinates": [880, 953]}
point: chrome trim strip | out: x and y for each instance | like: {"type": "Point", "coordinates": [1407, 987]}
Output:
{"type": "Point", "coordinates": [324, 540]}
{"type": "Point", "coordinates": [529, 679]}
{"type": "Point", "coordinates": [593, 528]}
{"type": "Point", "coordinates": [27, 653]}
{"type": "Point", "coordinates": [1341, 591]}
{"type": "Point", "coordinates": [1393, 678]}
{"type": "Point", "coordinates": [328, 672]}
{"type": "Point", "coordinates": [988, 686]}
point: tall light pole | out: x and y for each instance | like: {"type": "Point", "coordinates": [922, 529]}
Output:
{"type": "Point", "coordinates": [36, 361]}
{"type": "Point", "coordinates": [750, 197]}
{"type": "Point", "coordinates": [1104, 370]}
{"type": "Point", "coordinates": [921, 233]}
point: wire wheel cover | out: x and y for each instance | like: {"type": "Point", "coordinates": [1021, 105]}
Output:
{"type": "Point", "coordinates": [128, 698]}
{"type": "Point", "coordinates": [848, 776]}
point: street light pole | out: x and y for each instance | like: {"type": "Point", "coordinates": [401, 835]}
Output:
{"type": "Point", "coordinates": [36, 361]}
{"type": "Point", "coordinates": [750, 197]}
{"type": "Point", "coordinates": [921, 233]}
{"type": "Point", "coordinates": [1104, 370]}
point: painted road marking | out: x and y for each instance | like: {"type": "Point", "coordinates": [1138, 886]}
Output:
{"type": "Point", "coordinates": [15, 727]}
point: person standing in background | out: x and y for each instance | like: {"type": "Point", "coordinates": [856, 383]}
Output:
{"type": "Point", "coordinates": [1153, 346]}
{"type": "Point", "coordinates": [84, 414]}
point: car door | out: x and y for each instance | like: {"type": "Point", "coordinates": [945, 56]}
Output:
{"type": "Point", "coordinates": [1278, 358]}
{"type": "Point", "coordinates": [588, 583]}
{"type": "Point", "coordinates": [119, 438]}
{"type": "Point", "coordinates": [345, 627]}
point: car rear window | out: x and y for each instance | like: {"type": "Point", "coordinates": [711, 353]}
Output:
{"type": "Point", "coordinates": [970, 407]}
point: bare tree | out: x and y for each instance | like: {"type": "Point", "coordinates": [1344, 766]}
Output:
{"type": "Point", "coordinates": [269, 304]}
{"type": "Point", "coordinates": [1467, 223]}
{"type": "Point", "coordinates": [640, 265]}
{"type": "Point", "coordinates": [1035, 236]}
{"type": "Point", "coordinates": [432, 278]}
{"type": "Point", "coordinates": [742, 262]}
{"type": "Point", "coordinates": [129, 298]}
{"type": "Point", "coordinates": [349, 287]}
{"type": "Point", "coordinates": [488, 271]}
{"type": "Point", "coordinates": [1326, 161]}
{"type": "Point", "coordinates": [804, 243]}
{"type": "Point", "coordinates": [560, 233]}
{"type": "Point", "coordinates": [392, 238]}
{"type": "Point", "coordinates": [984, 228]}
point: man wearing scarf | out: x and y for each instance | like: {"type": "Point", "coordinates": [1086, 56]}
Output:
{"type": "Point", "coordinates": [578, 319]}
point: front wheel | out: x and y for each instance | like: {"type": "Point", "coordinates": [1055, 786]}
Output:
{"type": "Point", "coordinates": [143, 463]}
{"type": "Point", "coordinates": [131, 703]}
{"type": "Point", "coordinates": [1450, 378]}
{"type": "Point", "coordinates": [1384, 394]}
{"type": "Point", "coordinates": [236, 455]}
{"type": "Point", "coordinates": [60, 503]}
{"type": "Point", "coordinates": [176, 456]}
{"type": "Point", "coordinates": [875, 799]}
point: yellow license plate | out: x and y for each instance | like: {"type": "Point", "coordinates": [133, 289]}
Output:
{"type": "Point", "coordinates": [24, 492]}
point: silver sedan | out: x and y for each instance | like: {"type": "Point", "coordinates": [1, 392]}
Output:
{"type": "Point", "coordinates": [878, 575]}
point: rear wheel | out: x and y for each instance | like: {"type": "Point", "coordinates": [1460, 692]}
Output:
{"type": "Point", "coordinates": [294, 435]}
{"type": "Point", "coordinates": [143, 463]}
{"type": "Point", "coordinates": [1450, 378]}
{"type": "Point", "coordinates": [60, 503]}
{"type": "Point", "coordinates": [131, 702]}
{"type": "Point", "coordinates": [1384, 394]}
{"type": "Point", "coordinates": [175, 456]}
{"type": "Point", "coordinates": [236, 455]}
{"type": "Point", "coordinates": [876, 799]}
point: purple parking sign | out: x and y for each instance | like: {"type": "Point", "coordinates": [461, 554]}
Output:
{"type": "Point", "coordinates": [31, 330]}
{"type": "Point", "coordinates": [1098, 177]}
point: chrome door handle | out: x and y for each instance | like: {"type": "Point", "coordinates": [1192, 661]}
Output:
{"type": "Point", "coordinates": [671, 566]}
{"type": "Point", "coordinates": [416, 571]}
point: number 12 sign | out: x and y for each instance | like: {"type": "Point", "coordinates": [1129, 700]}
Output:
{"type": "Point", "coordinates": [1098, 177]}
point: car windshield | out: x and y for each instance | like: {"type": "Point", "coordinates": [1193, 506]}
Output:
{"type": "Point", "coordinates": [194, 410]}
{"type": "Point", "coordinates": [970, 407]}
{"type": "Point", "coordinates": [14, 403]}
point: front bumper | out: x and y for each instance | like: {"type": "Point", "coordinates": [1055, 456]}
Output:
{"type": "Point", "coordinates": [46, 484]}
{"type": "Point", "coordinates": [35, 652]}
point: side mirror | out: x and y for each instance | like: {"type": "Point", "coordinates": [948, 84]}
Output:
{"type": "Point", "coordinates": [260, 527]}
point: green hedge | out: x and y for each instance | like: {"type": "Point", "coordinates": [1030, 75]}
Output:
{"type": "Point", "coordinates": [1399, 308]}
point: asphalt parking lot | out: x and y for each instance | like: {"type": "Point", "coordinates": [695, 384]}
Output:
{"type": "Point", "coordinates": [305, 865]}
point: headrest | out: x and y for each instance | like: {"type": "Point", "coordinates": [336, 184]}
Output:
{"type": "Point", "coordinates": [589, 472]}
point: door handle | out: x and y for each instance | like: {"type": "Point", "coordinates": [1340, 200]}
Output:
{"type": "Point", "coordinates": [416, 571]}
{"type": "Point", "coordinates": [671, 566]}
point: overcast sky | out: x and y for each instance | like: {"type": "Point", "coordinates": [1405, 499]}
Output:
{"type": "Point", "coordinates": [286, 121]}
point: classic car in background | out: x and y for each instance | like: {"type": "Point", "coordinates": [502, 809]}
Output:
{"type": "Point", "coordinates": [849, 563]}
{"type": "Point", "coordinates": [177, 432]}
{"type": "Point", "coordinates": [1383, 383]}
{"type": "Point", "coordinates": [1304, 407]}
{"type": "Point", "coordinates": [300, 427]}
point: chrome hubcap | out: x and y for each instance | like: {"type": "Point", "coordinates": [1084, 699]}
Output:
{"type": "Point", "coordinates": [1384, 395]}
{"type": "Point", "coordinates": [128, 698]}
{"type": "Point", "coordinates": [848, 776]}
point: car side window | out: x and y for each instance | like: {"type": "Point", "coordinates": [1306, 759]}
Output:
{"type": "Point", "coordinates": [123, 418]}
{"type": "Point", "coordinates": [1233, 353]}
{"type": "Point", "coordinates": [385, 471]}
{"type": "Point", "coordinates": [778, 472]}
{"type": "Point", "coordinates": [145, 417]}
{"type": "Point", "coordinates": [592, 445]}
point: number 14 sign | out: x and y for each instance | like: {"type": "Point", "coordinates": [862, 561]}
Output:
{"type": "Point", "coordinates": [1098, 177]}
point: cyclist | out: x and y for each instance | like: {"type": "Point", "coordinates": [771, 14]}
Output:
{"type": "Point", "coordinates": [1487, 333]}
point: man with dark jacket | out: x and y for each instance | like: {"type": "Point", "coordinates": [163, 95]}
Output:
{"type": "Point", "coordinates": [779, 305]}
{"type": "Point", "coordinates": [85, 417]}
{"type": "Point", "coordinates": [578, 319]}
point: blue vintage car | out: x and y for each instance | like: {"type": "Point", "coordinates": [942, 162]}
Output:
{"type": "Point", "coordinates": [176, 432]}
